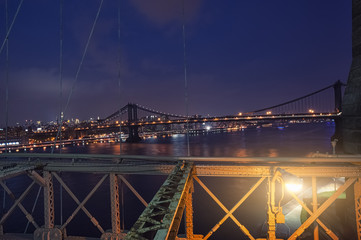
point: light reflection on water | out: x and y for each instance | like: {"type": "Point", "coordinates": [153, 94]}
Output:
{"type": "Point", "coordinates": [296, 140]}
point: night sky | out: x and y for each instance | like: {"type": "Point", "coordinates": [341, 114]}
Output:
{"type": "Point", "coordinates": [241, 55]}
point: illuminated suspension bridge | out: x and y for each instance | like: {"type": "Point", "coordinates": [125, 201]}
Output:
{"type": "Point", "coordinates": [183, 177]}
{"type": "Point", "coordinates": [325, 103]}
{"type": "Point", "coordinates": [163, 214]}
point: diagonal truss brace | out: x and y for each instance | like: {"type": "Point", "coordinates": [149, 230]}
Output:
{"type": "Point", "coordinates": [321, 209]}
{"type": "Point", "coordinates": [81, 204]}
{"type": "Point", "coordinates": [327, 230]}
{"type": "Point", "coordinates": [17, 203]}
{"type": "Point", "coordinates": [22, 208]}
{"type": "Point", "coordinates": [229, 213]}
{"type": "Point", "coordinates": [161, 218]}
{"type": "Point", "coordinates": [133, 190]}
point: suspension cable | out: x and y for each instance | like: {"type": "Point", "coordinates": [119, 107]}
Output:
{"type": "Point", "coordinates": [7, 78]}
{"type": "Point", "coordinates": [119, 82]}
{"type": "Point", "coordinates": [33, 209]}
{"type": "Point", "coordinates": [79, 68]}
{"type": "Point", "coordinates": [61, 115]}
{"type": "Point", "coordinates": [294, 100]}
{"type": "Point", "coordinates": [185, 78]}
{"type": "Point", "coordinates": [11, 26]}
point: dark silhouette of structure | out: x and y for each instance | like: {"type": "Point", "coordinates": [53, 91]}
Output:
{"type": "Point", "coordinates": [132, 126]}
{"type": "Point", "coordinates": [351, 108]}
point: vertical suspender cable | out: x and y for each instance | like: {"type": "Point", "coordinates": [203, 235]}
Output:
{"type": "Point", "coordinates": [83, 56]}
{"type": "Point", "coordinates": [6, 96]}
{"type": "Point", "coordinates": [185, 79]}
{"type": "Point", "coordinates": [61, 115]}
{"type": "Point", "coordinates": [33, 209]}
{"type": "Point", "coordinates": [120, 115]}
{"type": "Point", "coordinates": [61, 67]}
{"type": "Point", "coordinates": [11, 26]}
{"type": "Point", "coordinates": [7, 78]}
{"type": "Point", "coordinates": [119, 83]}
{"type": "Point", "coordinates": [79, 68]}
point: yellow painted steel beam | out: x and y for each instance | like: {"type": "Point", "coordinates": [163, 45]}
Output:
{"type": "Point", "coordinates": [314, 205]}
{"type": "Point", "coordinates": [212, 170]}
{"type": "Point", "coordinates": [189, 212]}
{"type": "Point", "coordinates": [327, 230]}
{"type": "Point", "coordinates": [321, 209]}
{"type": "Point", "coordinates": [48, 158]}
{"type": "Point", "coordinates": [300, 170]}
{"type": "Point", "coordinates": [357, 193]}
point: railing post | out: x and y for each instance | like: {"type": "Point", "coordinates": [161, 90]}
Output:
{"type": "Point", "coordinates": [189, 212]}
{"type": "Point", "coordinates": [115, 233]}
{"type": "Point", "coordinates": [48, 201]}
{"type": "Point", "coordinates": [114, 201]}
{"type": "Point", "coordinates": [271, 233]}
{"type": "Point", "coordinates": [357, 192]}
{"type": "Point", "coordinates": [315, 206]}
{"type": "Point", "coordinates": [48, 232]}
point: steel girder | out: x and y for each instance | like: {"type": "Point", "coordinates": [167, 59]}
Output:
{"type": "Point", "coordinates": [12, 170]}
{"type": "Point", "coordinates": [357, 192]}
{"type": "Point", "coordinates": [161, 218]}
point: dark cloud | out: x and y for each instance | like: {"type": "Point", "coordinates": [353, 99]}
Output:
{"type": "Point", "coordinates": [163, 12]}
{"type": "Point", "coordinates": [241, 55]}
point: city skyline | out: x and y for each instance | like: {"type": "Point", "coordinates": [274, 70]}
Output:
{"type": "Point", "coordinates": [240, 56]}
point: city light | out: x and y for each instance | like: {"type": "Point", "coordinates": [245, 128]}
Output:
{"type": "Point", "coordinates": [240, 114]}
{"type": "Point", "coordinates": [311, 111]}
{"type": "Point", "coordinates": [268, 113]}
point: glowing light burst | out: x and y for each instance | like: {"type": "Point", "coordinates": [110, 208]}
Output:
{"type": "Point", "coordinates": [294, 187]}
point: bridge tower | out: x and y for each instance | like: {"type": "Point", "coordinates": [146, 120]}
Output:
{"type": "Point", "coordinates": [351, 107]}
{"type": "Point", "coordinates": [337, 87]}
{"type": "Point", "coordinates": [132, 119]}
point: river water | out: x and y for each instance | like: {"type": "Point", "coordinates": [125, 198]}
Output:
{"type": "Point", "coordinates": [297, 140]}
{"type": "Point", "coordinates": [294, 140]}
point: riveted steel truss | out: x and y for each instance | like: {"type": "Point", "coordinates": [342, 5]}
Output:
{"type": "Point", "coordinates": [161, 218]}
{"type": "Point", "coordinates": [357, 193]}
{"type": "Point", "coordinates": [162, 215]}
